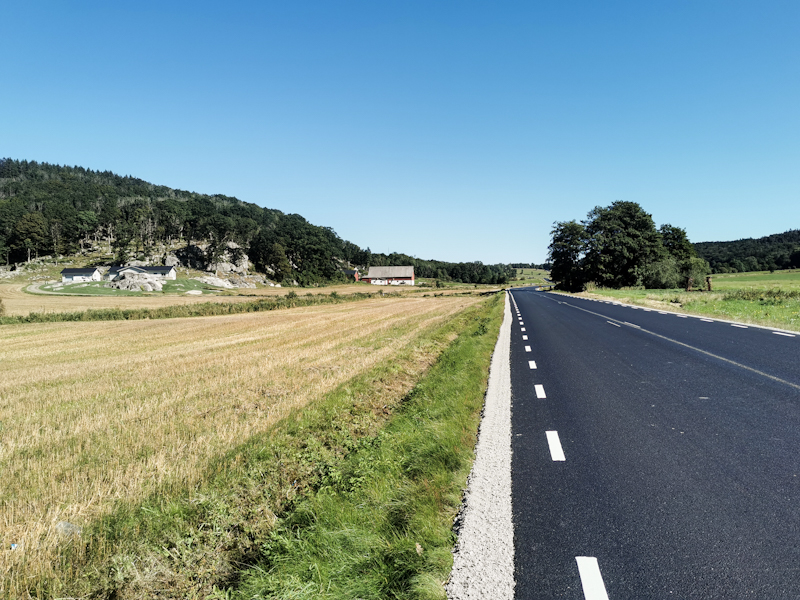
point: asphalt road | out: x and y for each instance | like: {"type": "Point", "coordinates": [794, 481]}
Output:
{"type": "Point", "coordinates": [680, 472]}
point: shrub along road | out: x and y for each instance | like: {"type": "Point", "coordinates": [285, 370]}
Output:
{"type": "Point", "coordinates": [654, 454]}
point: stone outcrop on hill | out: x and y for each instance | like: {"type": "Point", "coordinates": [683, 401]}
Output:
{"type": "Point", "coordinates": [232, 260]}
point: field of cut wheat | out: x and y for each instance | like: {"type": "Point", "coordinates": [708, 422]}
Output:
{"type": "Point", "coordinates": [91, 413]}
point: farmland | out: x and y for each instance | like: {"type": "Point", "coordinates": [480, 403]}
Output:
{"type": "Point", "coordinates": [531, 277]}
{"type": "Point", "coordinates": [102, 413]}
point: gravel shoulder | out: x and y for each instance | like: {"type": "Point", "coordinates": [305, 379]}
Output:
{"type": "Point", "coordinates": [483, 559]}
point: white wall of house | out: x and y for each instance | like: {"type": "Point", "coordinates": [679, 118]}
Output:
{"type": "Point", "coordinates": [392, 282]}
{"type": "Point", "coordinates": [80, 278]}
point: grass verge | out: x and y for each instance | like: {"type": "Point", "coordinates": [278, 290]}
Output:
{"type": "Point", "coordinates": [351, 497]}
{"type": "Point", "coordinates": [768, 307]}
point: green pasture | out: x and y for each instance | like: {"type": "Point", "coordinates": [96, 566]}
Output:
{"type": "Point", "coordinates": [760, 298]}
{"type": "Point", "coordinates": [531, 277]}
{"type": "Point", "coordinates": [784, 280]}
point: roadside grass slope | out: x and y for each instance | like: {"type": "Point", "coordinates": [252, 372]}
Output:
{"type": "Point", "coordinates": [182, 447]}
{"type": "Point", "coordinates": [763, 298]}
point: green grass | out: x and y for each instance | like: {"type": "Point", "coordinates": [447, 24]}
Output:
{"type": "Point", "coordinates": [527, 277]}
{"type": "Point", "coordinates": [761, 298]}
{"type": "Point", "coordinates": [353, 497]}
{"type": "Point", "coordinates": [785, 280]}
{"type": "Point", "coordinates": [98, 288]}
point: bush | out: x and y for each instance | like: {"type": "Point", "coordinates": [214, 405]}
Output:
{"type": "Point", "coordinates": [662, 275]}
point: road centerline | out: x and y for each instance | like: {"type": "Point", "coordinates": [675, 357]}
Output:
{"type": "Point", "coordinates": [554, 443]}
{"type": "Point", "coordinates": [591, 578]}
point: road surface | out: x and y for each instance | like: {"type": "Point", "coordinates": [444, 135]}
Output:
{"type": "Point", "coordinates": [654, 455]}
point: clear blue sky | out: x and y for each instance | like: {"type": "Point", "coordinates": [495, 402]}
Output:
{"type": "Point", "coordinates": [452, 130]}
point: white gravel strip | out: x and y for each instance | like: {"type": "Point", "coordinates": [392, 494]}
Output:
{"type": "Point", "coordinates": [483, 559]}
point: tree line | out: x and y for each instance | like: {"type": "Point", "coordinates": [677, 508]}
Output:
{"type": "Point", "coordinates": [769, 253]}
{"type": "Point", "coordinates": [619, 246]}
{"type": "Point", "coordinates": [57, 210]}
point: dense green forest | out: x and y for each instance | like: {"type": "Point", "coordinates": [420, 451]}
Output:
{"type": "Point", "coordinates": [779, 251]}
{"type": "Point", "coordinates": [58, 210]}
{"type": "Point", "coordinates": [619, 246]}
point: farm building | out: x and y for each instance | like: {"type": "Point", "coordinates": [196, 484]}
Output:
{"type": "Point", "coordinates": [390, 276]}
{"type": "Point", "coordinates": [76, 275]}
{"type": "Point", "coordinates": [115, 273]}
{"type": "Point", "coordinates": [352, 273]}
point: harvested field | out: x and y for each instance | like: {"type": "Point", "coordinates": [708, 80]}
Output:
{"type": "Point", "coordinates": [97, 412]}
{"type": "Point", "coordinates": [18, 302]}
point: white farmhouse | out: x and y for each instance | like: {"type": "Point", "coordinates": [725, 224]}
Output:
{"type": "Point", "coordinates": [78, 275]}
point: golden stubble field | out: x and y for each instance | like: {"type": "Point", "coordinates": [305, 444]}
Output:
{"type": "Point", "coordinates": [98, 411]}
{"type": "Point", "coordinates": [18, 302]}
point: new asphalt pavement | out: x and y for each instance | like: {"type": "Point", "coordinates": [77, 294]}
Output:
{"type": "Point", "coordinates": [654, 455]}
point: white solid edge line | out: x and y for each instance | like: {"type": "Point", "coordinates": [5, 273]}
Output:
{"type": "Point", "coordinates": [717, 320]}
{"type": "Point", "coordinates": [614, 324]}
{"type": "Point", "coordinates": [532, 364]}
{"type": "Point", "coordinates": [540, 391]}
{"type": "Point", "coordinates": [781, 333]}
{"type": "Point", "coordinates": [527, 348]}
{"type": "Point", "coordinates": [591, 579]}
{"type": "Point", "coordinates": [556, 452]}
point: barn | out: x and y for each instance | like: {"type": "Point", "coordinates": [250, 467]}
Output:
{"type": "Point", "coordinates": [390, 276]}
{"type": "Point", "coordinates": [77, 275]}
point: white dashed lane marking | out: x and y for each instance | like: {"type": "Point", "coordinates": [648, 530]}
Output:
{"type": "Point", "coordinates": [612, 323]}
{"type": "Point", "coordinates": [524, 337]}
{"type": "Point", "coordinates": [707, 320]}
{"type": "Point", "coordinates": [739, 326]}
{"type": "Point", "coordinates": [781, 333]}
{"type": "Point", "coordinates": [591, 579]}
{"type": "Point", "coordinates": [523, 329]}
{"type": "Point", "coordinates": [532, 364]}
{"type": "Point", "coordinates": [527, 348]}
{"type": "Point", "coordinates": [556, 451]}
{"type": "Point", "coordinates": [539, 391]}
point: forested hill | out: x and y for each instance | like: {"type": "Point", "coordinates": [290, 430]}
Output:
{"type": "Point", "coordinates": [778, 251]}
{"type": "Point", "coordinates": [51, 209]}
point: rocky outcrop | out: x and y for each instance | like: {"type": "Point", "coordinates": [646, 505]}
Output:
{"type": "Point", "coordinates": [136, 282]}
{"type": "Point", "coordinates": [216, 282]}
{"type": "Point", "coordinates": [232, 260]}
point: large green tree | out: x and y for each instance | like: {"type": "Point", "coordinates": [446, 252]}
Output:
{"type": "Point", "coordinates": [567, 245]}
{"type": "Point", "coordinates": [676, 242]}
{"type": "Point", "coordinates": [31, 235]}
{"type": "Point", "coordinates": [621, 242]}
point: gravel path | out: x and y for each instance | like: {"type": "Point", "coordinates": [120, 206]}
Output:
{"type": "Point", "coordinates": [483, 559]}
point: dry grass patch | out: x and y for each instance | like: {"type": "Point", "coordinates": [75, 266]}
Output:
{"type": "Point", "coordinates": [103, 411]}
